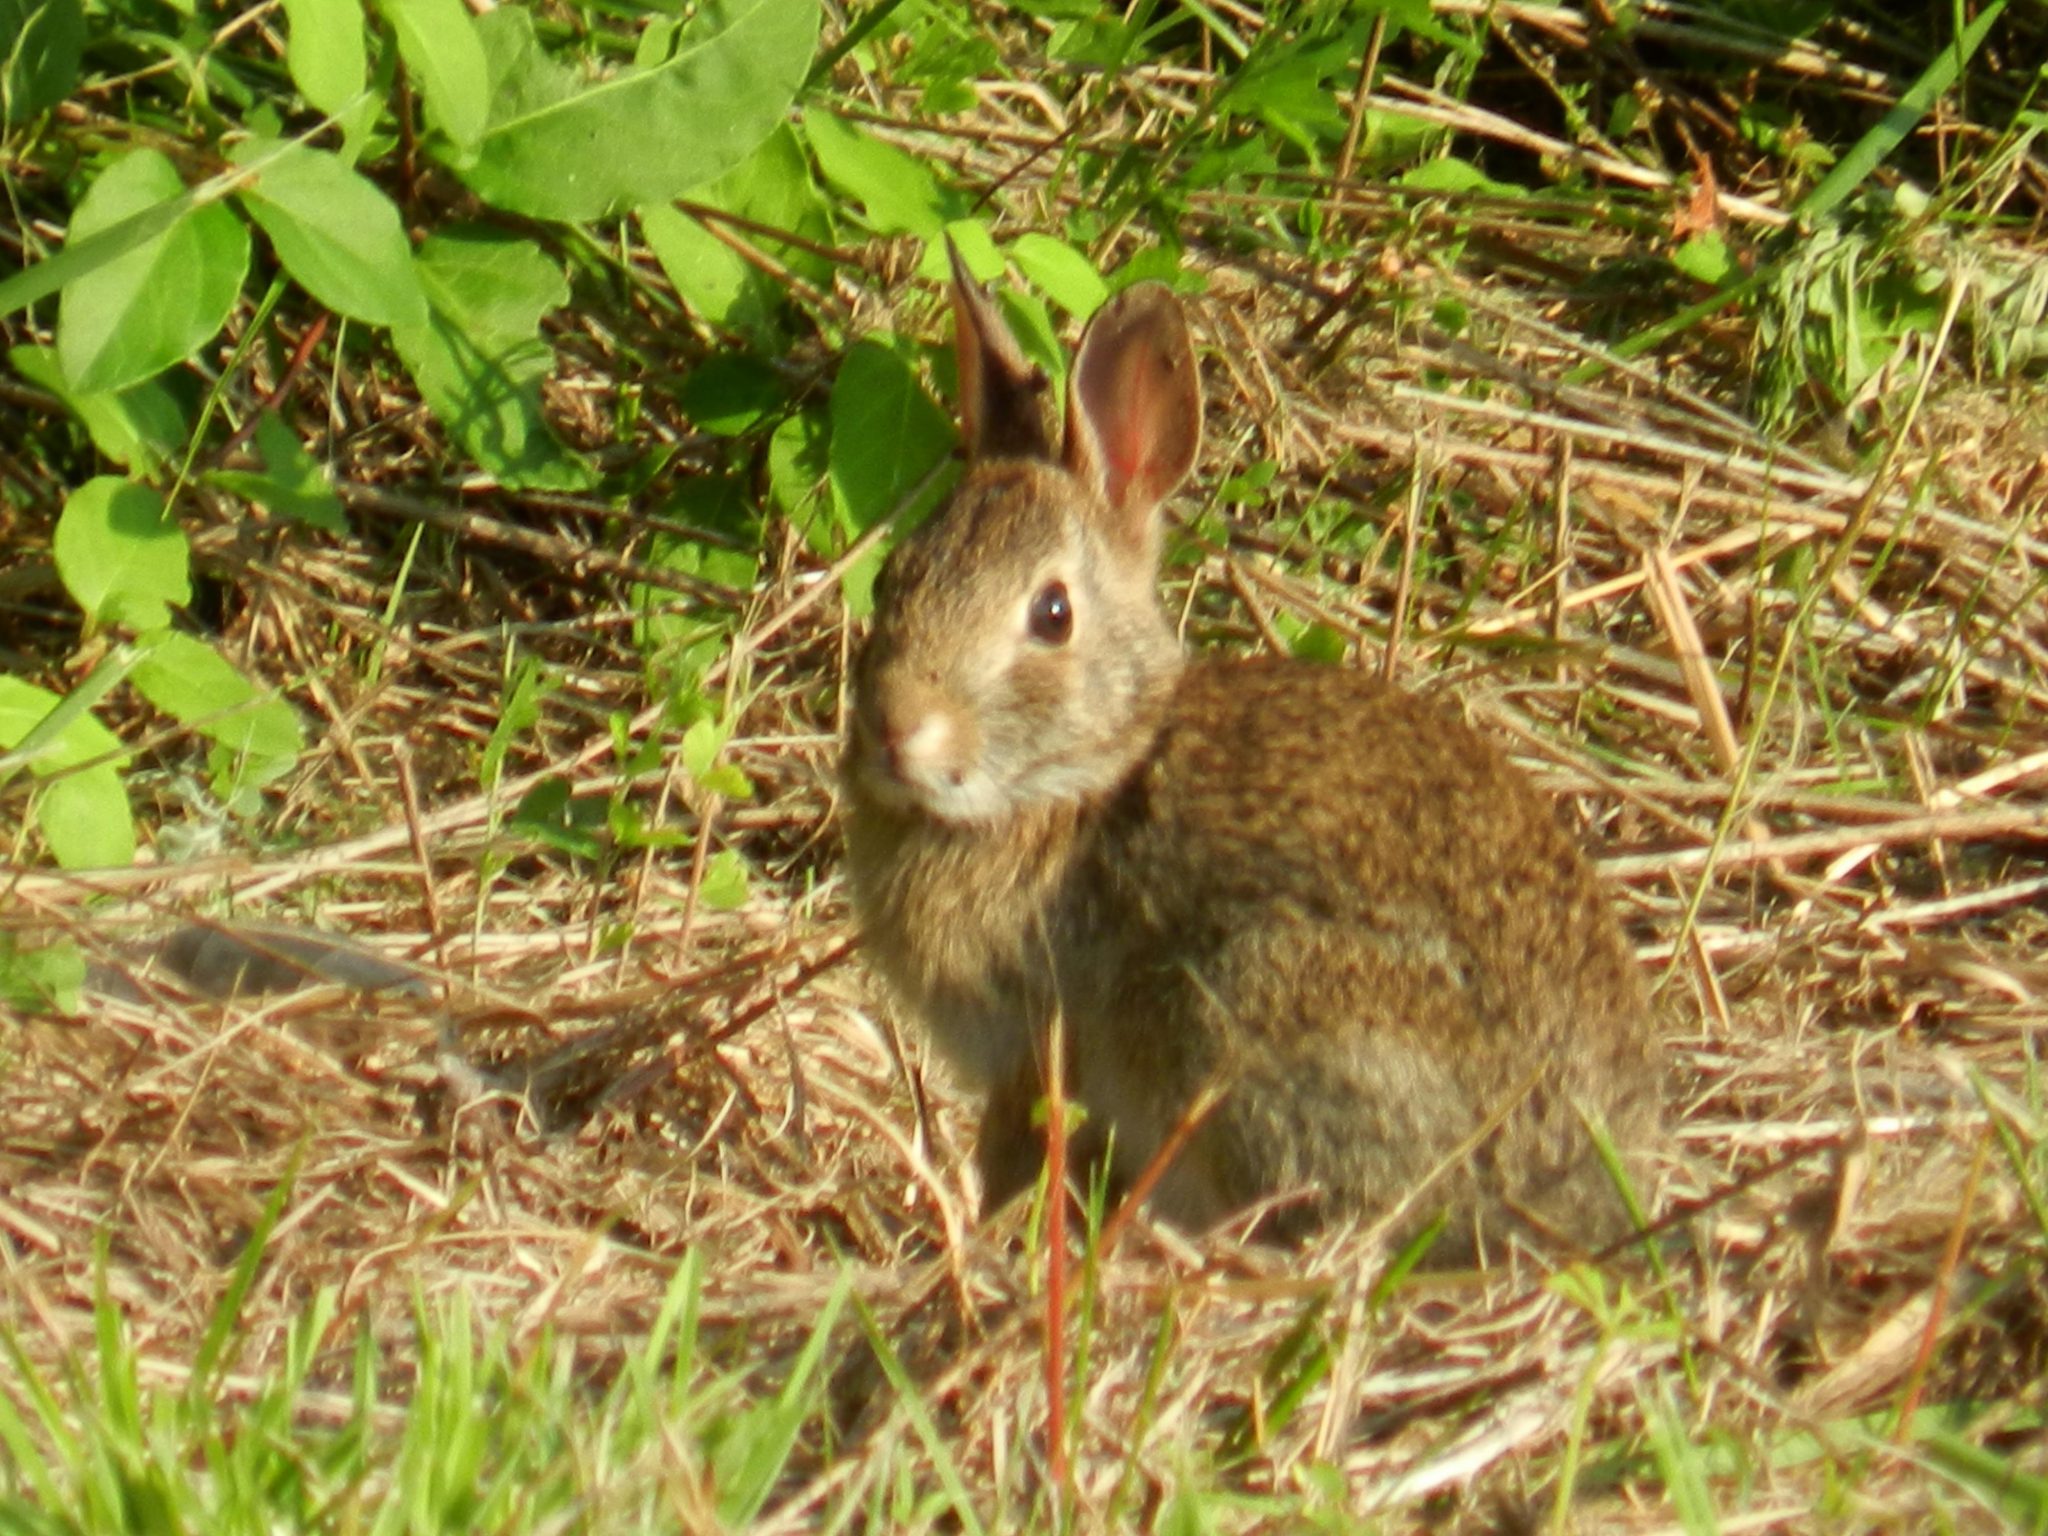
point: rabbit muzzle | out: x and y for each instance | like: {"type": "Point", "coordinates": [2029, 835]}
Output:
{"type": "Point", "coordinates": [912, 751]}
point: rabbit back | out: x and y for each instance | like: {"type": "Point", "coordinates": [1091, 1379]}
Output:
{"type": "Point", "coordinates": [1347, 908]}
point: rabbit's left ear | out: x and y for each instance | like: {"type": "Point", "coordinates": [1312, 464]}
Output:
{"type": "Point", "coordinates": [1134, 405]}
{"type": "Point", "coordinates": [1002, 409]}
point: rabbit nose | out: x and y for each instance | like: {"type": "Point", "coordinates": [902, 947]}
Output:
{"type": "Point", "coordinates": [915, 747]}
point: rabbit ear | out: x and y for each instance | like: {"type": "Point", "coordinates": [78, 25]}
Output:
{"type": "Point", "coordinates": [1134, 404]}
{"type": "Point", "coordinates": [1001, 415]}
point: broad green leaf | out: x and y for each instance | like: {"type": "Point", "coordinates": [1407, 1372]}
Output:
{"type": "Point", "coordinates": [729, 392]}
{"type": "Point", "coordinates": [1419, 17]}
{"type": "Point", "coordinates": [324, 51]}
{"type": "Point", "coordinates": [720, 286]}
{"type": "Point", "coordinates": [681, 639]}
{"type": "Point", "coordinates": [122, 557]}
{"type": "Point", "coordinates": [886, 434]}
{"type": "Point", "coordinates": [797, 467]}
{"type": "Point", "coordinates": [52, 742]}
{"type": "Point", "coordinates": [81, 812]}
{"type": "Point", "coordinates": [702, 744]}
{"type": "Point", "coordinates": [898, 193]}
{"type": "Point", "coordinates": [336, 233]}
{"type": "Point", "coordinates": [445, 57]}
{"type": "Point", "coordinates": [135, 314]}
{"type": "Point", "coordinates": [292, 483]}
{"type": "Point", "coordinates": [24, 706]}
{"type": "Point", "coordinates": [140, 429]}
{"type": "Point", "coordinates": [1447, 173]}
{"type": "Point", "coordinates": [977, 248]}
{"type": "Point", "coordinates": [560, 147]}
{"type": "Point", "coordinates": [480, 358]}
{"type": "Point", "coordinates": [888, 439]}
{"type": "Point", "coordinates": [85, 819]}
{"type": "Point", "coordinates": [194, 684]}
{"type": "Point", "coordinates": [725, 882]}
{"type": "Point", "coordinates": [1289, 83]}
{"type": "Point", "coordinates": [550, 814]}
{"type": "Point", "coordinates": [1707, 258]}
{"type": "Point", "coordinates": [41, 42]}
{"type": "Point", "coordinates": [1068, 278]}
{"type": "Point", "coordinates": [771, 190]}
{"type": "Point", "coordinates": [1031, 323]}
{"type": "Point", "coordinates": [35, 979]}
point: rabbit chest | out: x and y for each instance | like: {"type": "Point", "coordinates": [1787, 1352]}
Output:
{"type": "Point", "coordinates": [955, 919]}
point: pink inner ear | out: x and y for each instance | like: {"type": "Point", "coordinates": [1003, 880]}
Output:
{"type": "Point", "coordinates": [1132, 458]}
{"type": "Point", "coordinates": [1134, 406]}
{"type": "Point", "coordinates": [1141, 413]}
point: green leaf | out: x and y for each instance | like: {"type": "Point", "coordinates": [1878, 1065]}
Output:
{"type": "Point", "coordinates": [772, 190]}
{"type": "Point", "coordinates": [445, 57]}
{"type": "Point", "coordinates": [886, 434]}
{"type": "Point", "coordinates": [1068, 277]}
{"type": "Point", "coordinates": [1449, 174]}
{"type": "Point", "coordinates": [551, 815]}
{"type": "Point", "coordinates": [194, 684]}
{"type": "Point", "coordinates": [85, 819]}
{"type": "Point", "coordinates": [24, 707]}
{"type": "Point", "coordinates": [700, 748]}
{"type": "Point", "coordinates": [729, 392]}
{"type": "Point", "coordinates": [82, 812]}
{"type": "Point", "coordinates": [798, 462]}
{"type": "Point", "coordinates": [1453, 175]}
{"type": "Point", "coordinates": [336, 233]}
{"type": "Point", "coordinates": [480, 358]}
{"type": "Point", "coordinates": [518, 713]}
{"type": "Point", "coordinates": [131, 316]}
{"type": "Point", "coordinates": [1037, 337]}
{"type": "Point", "coordinates": [324, 51]}
{"type": "Point", "coordinates": [682, 639]}
{"type": "Point", "coordinates": [725, 882]}
{"type": "Point", "coordinates": [41, 42]}
{"type": "Point", "coordinates": [141, 429]}
{"type": "Point", "coordinates": [560, 148]}
{"type": "Point", "coordinates": [702, 744]}
{"type": "Point", "coordinates": [121, 556]}
{"type": "Point", "coordinates": [292, 483]}
{"type": "Point", "coordinates": [898, 193]}
{"type": "Point", "coordinates": [1705, 257]}
{"type": "Point", "coordinates": [35, 979]}
{"type": "Point", "coordinates": [1315, 642]}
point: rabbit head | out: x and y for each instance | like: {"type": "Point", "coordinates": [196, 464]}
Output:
{"type": "Point", "coordinates": [1019, 652]}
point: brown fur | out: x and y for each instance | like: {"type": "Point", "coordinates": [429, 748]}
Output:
{"type": "Point", "coordinates": [1338, 904]}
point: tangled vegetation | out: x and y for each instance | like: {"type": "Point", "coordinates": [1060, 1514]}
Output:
{"type": "Point", "coordinates": [444, 459]}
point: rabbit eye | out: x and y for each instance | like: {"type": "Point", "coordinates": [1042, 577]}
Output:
{"type": "Point", "coordinates": [1052, 615]}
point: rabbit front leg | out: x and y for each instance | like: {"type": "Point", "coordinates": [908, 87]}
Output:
{"type": "Point", "coordinates": [1009, 1149]}
{"type": "Point", "coordinates": [1010, 1146]}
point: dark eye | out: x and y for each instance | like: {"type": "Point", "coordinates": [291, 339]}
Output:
{"type": "Point", "coordinates": [1052, 616]}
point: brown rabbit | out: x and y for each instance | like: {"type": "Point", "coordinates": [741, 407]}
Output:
{"type": "Point", "coordinates": [1333, 902]}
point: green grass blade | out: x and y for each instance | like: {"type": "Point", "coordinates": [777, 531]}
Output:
{"type": "Point", "coordinates": [221, 1328]}
{"type": "Point", "coordinates": [1891, 130]}
{"type": "Point", "coordinates": [920, 1415]}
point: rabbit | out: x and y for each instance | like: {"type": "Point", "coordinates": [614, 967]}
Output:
{"type": "Point", "coordinates": [1333, 904]}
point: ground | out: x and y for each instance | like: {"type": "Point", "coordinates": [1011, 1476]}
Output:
{"type": "Point", "coordinates": [1791, 694]}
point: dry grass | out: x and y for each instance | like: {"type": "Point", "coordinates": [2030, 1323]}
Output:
{"type": "Point", "coordinates": [1800, 712]}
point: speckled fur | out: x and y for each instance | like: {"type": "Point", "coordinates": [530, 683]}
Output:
{"type": "Point", "coordinates": [1336, 902]}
